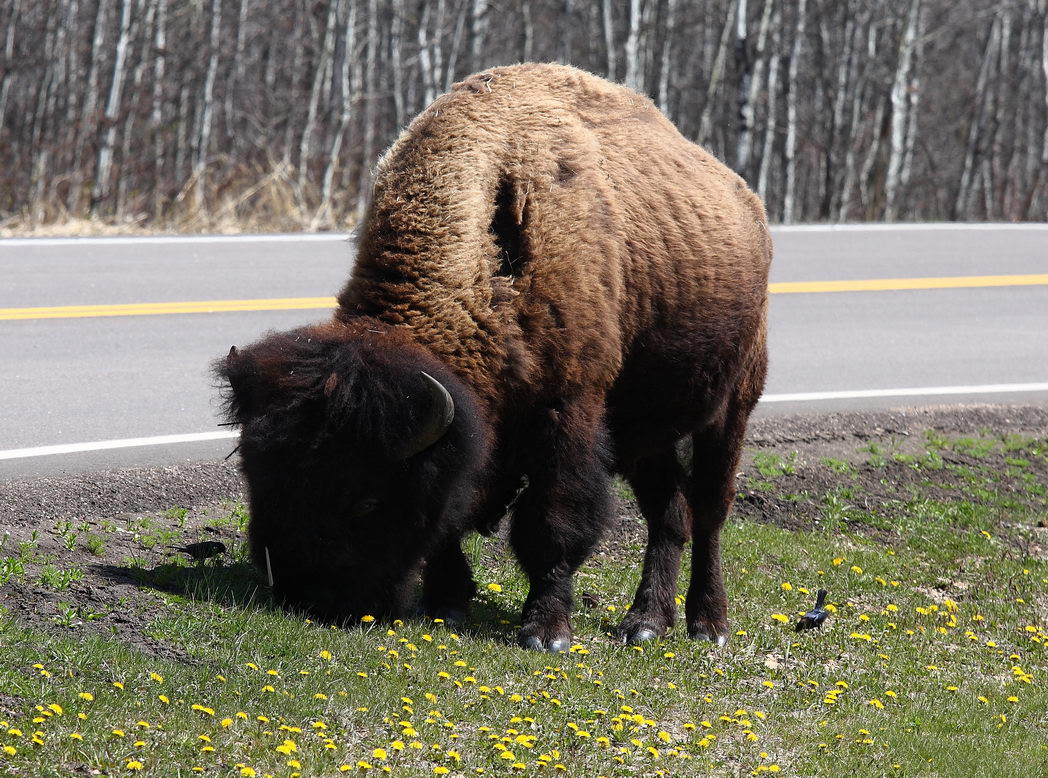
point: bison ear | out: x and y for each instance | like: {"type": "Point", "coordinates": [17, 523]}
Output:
{"type": "Point", "coordinates": [238, 371]}
{"type": "Point", "coordinates": [330, 385]}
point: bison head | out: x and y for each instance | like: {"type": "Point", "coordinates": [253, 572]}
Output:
{"type": "Point", "coordinates": [359, 450]}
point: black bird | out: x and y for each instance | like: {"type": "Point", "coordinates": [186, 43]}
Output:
{"type": "Point", "coordinates": [817, 615]}
{"type": "Point", "coordinates": [203, 550]}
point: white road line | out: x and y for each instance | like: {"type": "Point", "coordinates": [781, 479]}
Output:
{"type": "Point", "coordinates": [304, 237]}
{"type": "Point", "coordinates": [165, 440]}
{"type": "Point", "coordinates": [102, 445]}
{"type": "Point", "coordinates": [919, 391]}
{"type": "Point", "coordinates": [147, 240]}
{"type": "Point", "coordinates": [911, 227]}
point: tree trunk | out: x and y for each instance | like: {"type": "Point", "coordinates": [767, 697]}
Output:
{"type": "Point", "coordinates": [900, 119]}
{"type": "Point", "coordinates": [204, 145]}
{"type": "Point", "coordinates": [666, 54]}
{"type": "Point", "coordinates": [239, 71]}
{"type": "Point", "coordinates": [157, 116]}
{"type": "Point", "coordinates": [456, 44]}
{"type": "Point", "coordinates": [971, 156]}
{"type": "Point", "coordinates": [349, 48]}
{"type": "Point", "coordinates": [633, 65]}
{"type": "Point", "coordinates": [790, 210]}
{"type": "Point", "coordinates": [771, 118]}
{"type": "Point", "coordinates": [9, 56]}
{"type": "Point", "coordinates": [609, 39]}
{"type": "Point", "coordinates": [478, 31]}
{"type": "Point", "coordinates": [396, 44]}
{"type": "Point", "coordinates": [749, 93]}
{"type": "Point", "coordinates": [327, 52]}
{"type": "Point", "coordinates": [567, 28]}
{"type": "Point", "coordinates": [88, 118]}
{"type": "Point", "coordinates": [104, 168]}
{"type": "Point", "coordinates": [717, 75]}
{"type": "Point", "coordinates": [370, 95]}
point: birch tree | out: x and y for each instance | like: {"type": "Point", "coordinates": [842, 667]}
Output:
{"type": "Point", "coordinates": [207, 115]}
{"type": "Point", "coordinates": [789, 199]}
{"type": "Point", "coordinates": [105, 152]}
{"type": "Point", "coordinates": [901, 106]}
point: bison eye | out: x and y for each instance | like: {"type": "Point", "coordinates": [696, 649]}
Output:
{"type": "Point", "coordinates": [364, 507]}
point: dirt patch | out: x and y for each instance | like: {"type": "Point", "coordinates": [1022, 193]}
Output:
{"type": "Point", "coordinates": [94, 554]}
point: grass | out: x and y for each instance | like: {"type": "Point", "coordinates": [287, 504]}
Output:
{"type": "Point", "coordinates": [934, 662]}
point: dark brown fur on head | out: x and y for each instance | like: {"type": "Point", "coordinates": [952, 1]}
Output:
{"type": "Point", "coordinates": [325, 415]}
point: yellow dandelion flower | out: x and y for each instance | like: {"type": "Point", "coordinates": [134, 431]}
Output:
{"type": "Point", "coordinates": [134, 764]}
{"type": "Point", "coordinates": [782, 618]}
{"type": "Point", "coordinates": [367, 618]}
{"type": "Point", "coordinates": [86, 696]}
{"type": "Point", "coordinates": [10, 750]}
{"type": "Point", "coordinates": [248, 772]}
{"type": "Point", "coordinates": [118, 685]}
{"type": "Point", "coordinates": [379, 753]}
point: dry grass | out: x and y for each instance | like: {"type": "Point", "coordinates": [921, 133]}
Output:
{"type": "Point", "coordinates": [229, 201]}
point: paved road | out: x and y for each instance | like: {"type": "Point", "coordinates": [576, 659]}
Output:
{"type": "Point", "coordinates": [75, 380]}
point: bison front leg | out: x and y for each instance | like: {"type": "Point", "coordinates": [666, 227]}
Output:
{"type": "Point", "coordinates": [447, 583]}
{"type": "Point", "coordinates": [557, 522]}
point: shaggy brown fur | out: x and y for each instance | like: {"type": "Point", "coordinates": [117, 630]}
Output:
{"type": "Point", "coordinates": [598, 285]}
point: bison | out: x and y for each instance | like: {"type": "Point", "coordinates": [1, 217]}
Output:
{"type": "Point", "coordinates": [552, 286]}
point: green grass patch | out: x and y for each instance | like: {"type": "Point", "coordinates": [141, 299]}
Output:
{"type": "Point", "coordinates": [934, 662]}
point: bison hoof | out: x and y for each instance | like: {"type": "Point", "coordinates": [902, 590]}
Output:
{"type": "Point", "coordinates": [719, 639]}
{"type": "Point", "coordinates": [640, 635]}
{"type": "Point", "coordinates": [554, 645]}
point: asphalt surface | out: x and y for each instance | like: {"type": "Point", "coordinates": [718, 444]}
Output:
{"type": "Point", "coordinates": [94, 379]}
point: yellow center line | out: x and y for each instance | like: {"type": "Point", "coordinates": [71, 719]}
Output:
{"type": "Point", "coordinates": [899, 284]}
{"type": "Point", "coordinates": [156, 309]}
{"type": "Point", "coordinates": [318, 303]}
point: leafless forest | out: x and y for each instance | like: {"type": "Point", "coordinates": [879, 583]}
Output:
{"type": "Point", "coordinates": [270, 113]}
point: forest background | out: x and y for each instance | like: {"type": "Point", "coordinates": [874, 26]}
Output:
{"type": "Point", "coordinates": [225, 115]}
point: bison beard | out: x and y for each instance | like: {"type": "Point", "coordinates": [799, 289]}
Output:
{"type": "Point", "coordinates": [551, 285]}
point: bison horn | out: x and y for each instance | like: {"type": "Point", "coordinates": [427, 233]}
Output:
{"type": "Point", "coordinates": [439, 419]}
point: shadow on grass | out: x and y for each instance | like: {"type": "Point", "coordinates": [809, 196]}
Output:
{"type": "Point", "coordinates": [236, 585]}
{"type": "Point", "coordinates": [241, 585]}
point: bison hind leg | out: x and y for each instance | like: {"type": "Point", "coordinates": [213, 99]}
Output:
{"type": "Point", "coordinates": [658, 482]}
{"type": "Point", "coordinates": [447, 583]}
{"type": "Point", "coordinates": [711, 493]}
